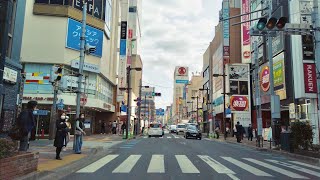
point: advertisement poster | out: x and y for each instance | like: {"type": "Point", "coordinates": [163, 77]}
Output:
{"type": "Point", "coordinates": [245, 32]}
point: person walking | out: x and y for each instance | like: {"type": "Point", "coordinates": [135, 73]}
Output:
{"type": "Point", "coordinates": [26, 123]}
{"type": "Point", "coordinates": [79, 132]}
{"type": "Point", "coordinates": [123, 127]}
{"type": "Point", "coordinates": [239, 132]}
{"type": "Point", "coordinates": [61, 134]}
{"type": "Point", "coordinates": [250, 132]}
{"type": "Point", "coordinates": [103, 127]}
{"type": "Point", "coordinates": [114, 127]}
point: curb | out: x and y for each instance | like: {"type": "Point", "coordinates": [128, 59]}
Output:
{"type": "Point", "coordinates": [312, 160]}
{"type": "Point", "coordinates": [94, 155]}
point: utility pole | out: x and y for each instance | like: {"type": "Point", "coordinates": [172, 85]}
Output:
{"type": "Point", "coordinates": [139, 108]}
{"type": "Point", "coordinates": [257, 92]}
{"type": "Point", "coordinates": [82, 55]}
{"type": "Point", "coordinates": [53, 117]}
{"type": "Point", "coordinates": [316, 24]}
{"type": "Point", "coordinates": [129, 101]}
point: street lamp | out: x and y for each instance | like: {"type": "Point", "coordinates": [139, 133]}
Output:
{"type": "Point", "coordinates": [224, 98]}
{"type": "Point", "coordinates": [197, 107]}
{"type": "Point", "coordinates": [128, 97]}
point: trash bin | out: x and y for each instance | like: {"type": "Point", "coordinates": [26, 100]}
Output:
{"type": "Point", "coordinates": [286, 141]}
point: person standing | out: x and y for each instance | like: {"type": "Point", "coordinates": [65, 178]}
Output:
{"type": "Point", "coordinates": [123, 127]}
{"type": "Point", "coordinates": [103, 127]}
{"type": "Point", "coordinates": [61, 134]}
{"type": "Point", "coordinates": [68, 133]}
{"type": "Point", "coordinates": [26, 123]}
{"type": "Point", "coordinates": [79, 132]}
{"type": "Point", "coordinates": [250, 133]}
{"type": "Point", "coordinates": [114, 127]}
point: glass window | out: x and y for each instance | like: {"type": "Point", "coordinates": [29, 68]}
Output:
{"type": "Point", "coordinates": [42, 1]}
{"type": "Point", "coordinates": [155, 125]}
{"type": "Point", "coordinates": [12, 18]}
{"type": "Point", "coordinates": [181, 126]}
{"type": "Point", "coordinates": [56, 2]}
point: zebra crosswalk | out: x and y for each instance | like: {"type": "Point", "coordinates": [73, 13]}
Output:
{"type": "Point", "coordinates": [221, 165]}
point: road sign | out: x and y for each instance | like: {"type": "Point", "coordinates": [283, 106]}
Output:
{"type": "Point", "coordinates": [83, 99]}
{"type": "Point", "coordinates": [179, 81]}
{"type": "Point", "coordinates": [60, 104]}
{"type": "Point", "coordinates": [40, 112]}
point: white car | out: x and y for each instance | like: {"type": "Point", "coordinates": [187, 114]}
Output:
{"type": "Point", "coordinates": [155, 129]}
{"type": "Point", "coordinates": [181, 128]}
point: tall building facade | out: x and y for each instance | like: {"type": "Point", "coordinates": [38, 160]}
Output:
{"type": "Point", "coordinates": [11, 74]}
{"type": "Point", "coordinates": [193, 91]}
{"type": "Point", "coordinates": [52, 36]}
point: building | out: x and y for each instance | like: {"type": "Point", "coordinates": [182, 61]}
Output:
{"type": "Point", "coordinates": [194, 86]}
{"type": "Point", "coordinates": [179, 107]}
{"type": "Point", "coordinates": [11, 80]}
{"type": "Point", "coordinates": [51, 37]}
{"type": "Point", "coordinates": [147, 106]}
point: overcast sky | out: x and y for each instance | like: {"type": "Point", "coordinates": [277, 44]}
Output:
{"type": "Point", "coordinates": [175, 33]}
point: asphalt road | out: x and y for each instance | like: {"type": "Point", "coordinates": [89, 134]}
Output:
{"type": "Point", "coordinates": [175, 158]}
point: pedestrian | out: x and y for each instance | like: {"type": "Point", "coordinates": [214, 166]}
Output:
{"type": "Point", "coordinates": [61, 134]}
{"type": "Point", "coordinates": [217, 130]}
{"type": "Point", "coordinates": [238, 133]}
{"type": "Point", "coordinates": [103, 127]}
{"type": "Point", "coordinates": [243, 132]}
{"type": "Point", "coordinates": [123, 127]}
{"type": "Point", "coordinates": [79, 132]}
{"type": "Point", "coordinates": [114, 127]}
{"type": "Point", "coordinates": [26, 123]}
{"type": "Point", "coordinates": [68, 133]}
{"type": "Point", "coordinates": [110, 128]}
{"type": "Point", "coordinates": [250, 132]}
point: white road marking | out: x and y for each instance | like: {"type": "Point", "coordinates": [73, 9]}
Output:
{"type": "Point", "coordinates": [145, 137]}
{"type": "Point", "coordinates": [169, 137]}
{"type": "Point", "coordinates": [98, 164]}
{"type": "Point", "coordinates": [161, 137]}
{"type": "Point", "coordinates": [215, 165]}
{"type": "Point", "coordinates": [246, 167]}
{"type": "Point", "coordinates": [276, 169]}
{"type": "Point", "coordinates": [304, 164]}
{"type": "Point", "coordinates": [156, 164]}
{"type": "Point", "coordinates": [186, 165]}
{"type": "Point", "coordinates": [298, 168]}
{"type": "Point", "coordinates": [233, 177]}
{"type": "Point", "coordinates": [127, 165]}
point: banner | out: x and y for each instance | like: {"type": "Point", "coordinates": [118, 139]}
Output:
{"type": "Point", "coordinates": [245, 32]}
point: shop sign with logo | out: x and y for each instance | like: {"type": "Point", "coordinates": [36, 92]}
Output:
{"type": "Point", "coordinates": [239, 103]}
{"type": "Point", "coordinates": [29, 98]}
{"type": "Point", "coordinates": [265, 78]}
{"type": "Point", "coordinates": [310, 78]}
{"type": "Point", "coordinates": [86, 66]}
{"type": "Point", "coordinates": [10, 75]}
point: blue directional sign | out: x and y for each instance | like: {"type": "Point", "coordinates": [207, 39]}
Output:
{"type": "Point", "coordinates": [182, 81]}
{"type": "Point", "coordinates": [40, 112]}
{"type": "Point", "coordinates": [160, 112]}
{"type": "Point", "coordinates": [123, 45]}
{"type": "Point", "coordinates": [60, 105]}
{"type": "Point", "coordinates": [94, 37]}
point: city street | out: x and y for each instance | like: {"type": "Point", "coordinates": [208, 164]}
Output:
{"type": "Point", "coordinates": [174, 157]}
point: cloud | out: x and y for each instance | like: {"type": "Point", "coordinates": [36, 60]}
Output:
{"type": "Point", "coordinates": [175, 33]}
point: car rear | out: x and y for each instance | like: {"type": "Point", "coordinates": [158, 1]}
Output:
{"type": "Point", "coordinates": [173, 128]}
{"type": "Point", "coordinates": [181, 128]}
{"type": "Point", "coordinates": [155, 130]}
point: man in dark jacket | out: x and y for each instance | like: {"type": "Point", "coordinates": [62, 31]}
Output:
{"type": "Point", "coordinates": [26, 122]}
{"type": "Point", "coordinates": [250, 134]}
{"type": "Point", "coordinates": [239, 132]}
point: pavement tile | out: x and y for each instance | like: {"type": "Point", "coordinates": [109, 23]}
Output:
{"type": "Point", "coordinates": [53, 164]}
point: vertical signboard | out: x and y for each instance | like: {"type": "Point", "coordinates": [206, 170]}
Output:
{"type": "Point", "coordinates": [245, 32]}
{"type": "Point", "coordinates": [310, 78]}
{"type": "Point", "coordinates": [225, 15]}
{"type": "Point", "coordinates": [122, 64]}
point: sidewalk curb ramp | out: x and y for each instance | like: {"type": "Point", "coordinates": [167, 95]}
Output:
{"type": "Point", "coordinates": [312, 160]}
{"type": "Point", "coordinates": [94, 155]}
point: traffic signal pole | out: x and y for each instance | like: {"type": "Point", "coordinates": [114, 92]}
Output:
{"type": "Point", "coordinates": [82, 51]}
{"type": "Point", "coordinates": [53, 117]}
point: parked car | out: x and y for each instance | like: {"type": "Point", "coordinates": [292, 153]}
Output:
{"type": "Point", "coordinates": [181, 128]}
{"type": "Point", "coordinates": [173, 128]}
{"type": "Point", "coordinates": [192, 132]}
{"type": "Point", "coordinates": [155, 129]}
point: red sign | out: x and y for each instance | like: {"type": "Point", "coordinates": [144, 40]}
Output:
{"type": "Point", "coordinates": [246, 54]}
{"type": "Point", "coordinates": [83, 99]}
{"type": "Point", "coordinates": [226, 51]}
{"type": "Point", "coordinates": [182, 71]}
{"type": "Point", "coordinates": [130, 34]}
{"type": "Point", "coordinates": [310, 78]}
{"type": "Point", "coordinates": [265, 78]}
{"type": "Point", "coordinates": [239, 103]}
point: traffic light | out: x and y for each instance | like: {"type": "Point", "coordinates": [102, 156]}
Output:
{"type": "Point", "coordinates": [55, 73]}
{"type": "Point", "coordinates": [90, 49]}
{"type": "Point", "coordinates": [156, 94]}
{"type": "Point", "coordinates": [265, 25]}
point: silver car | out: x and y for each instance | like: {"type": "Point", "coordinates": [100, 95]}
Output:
{"type": "Point", "coordinates": [181, 128]}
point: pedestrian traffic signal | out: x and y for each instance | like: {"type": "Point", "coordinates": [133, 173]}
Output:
{"type": "Point", "coordinates": [55, 73]}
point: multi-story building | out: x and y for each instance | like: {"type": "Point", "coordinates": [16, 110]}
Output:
{"type": "Point", "coordinates": [194, 86]}
{"type": "Point", "coordinates": [52, 36]}
{"type": "Point", "coordinates": [11, 31]}
{"type": "Point", "coordinates": [147, 106]}
{"type": "Point", "coordinates": [179, 106]}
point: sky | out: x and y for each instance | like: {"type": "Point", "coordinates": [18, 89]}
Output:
{"type": "Point", "coordinates": [174, 33]}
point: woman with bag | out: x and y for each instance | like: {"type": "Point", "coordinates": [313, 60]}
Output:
{"type": "Point", "coordinates": [60, 139]}
{"type": "Point", "coordinates": [79, 132]}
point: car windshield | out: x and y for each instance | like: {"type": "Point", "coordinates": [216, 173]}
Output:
{"type": "Point", "coordinates": [181, 126]}
{"type": "Point", "coordinates": [155, 125]}
{"type": "Point", "coordinates": [192, 127]}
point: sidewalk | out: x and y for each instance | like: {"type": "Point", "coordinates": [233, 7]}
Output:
{"type": "Point", "coordinates": [266, 147]}
{"type": "Point", "coordinates": [47, 152]}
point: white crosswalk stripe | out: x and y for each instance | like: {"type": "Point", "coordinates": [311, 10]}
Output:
{"type": "Point", "coordinates": [161, 137]}
{"type": "Point", "coordinates": [156, 164]}
{"type": "Point", "coordinates": [98, 164]}
{"type": "Point", "coordinates": [298, 168]}
{"type": "Point", "coordinates": [186, 165]}
{"type": "Point", "coordinates": [127, 165]}
{"type": "Point", "coordinates": [276, 169]}
{"type": "Point", "coordinates": [145, 137]}
{"type": "Point", "coordinates": [224, 166]}
{"type": "Point", "coordinates": [246, 167]}
{"type": "Point", "coordinates": [169, 137]}
{"type": "Point", "coordinates": [306, 165]}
